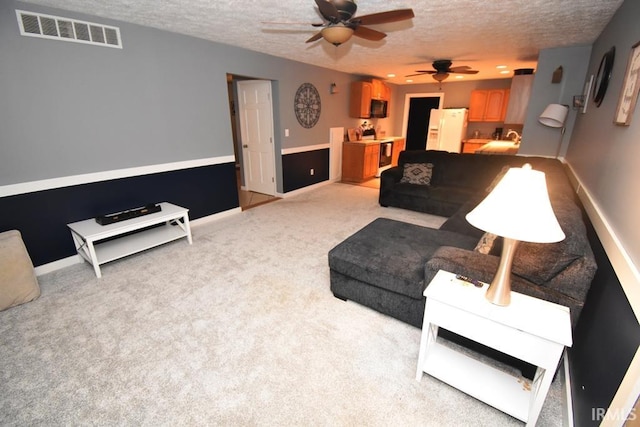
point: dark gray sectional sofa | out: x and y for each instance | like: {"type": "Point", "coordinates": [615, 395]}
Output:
{"type": "Point", "coordinates": [388, 264]}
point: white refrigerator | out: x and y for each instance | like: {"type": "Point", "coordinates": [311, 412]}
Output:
{"type": "Point", "coordinates": [447, 129]}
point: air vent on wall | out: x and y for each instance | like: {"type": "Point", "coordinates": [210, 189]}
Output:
{"type": "Point", "coordinates": [66, 29]}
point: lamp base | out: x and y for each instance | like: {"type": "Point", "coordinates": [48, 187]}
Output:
{"type": "Point", "coordinates": [499, 291]}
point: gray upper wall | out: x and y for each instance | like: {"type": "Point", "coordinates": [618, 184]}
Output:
{"type": "Point", "coordinates": [540, 140]}
{"type": "Point", "coordinates": [455, 95]}
{"type": "Point", "coordinates": [605, 156]}
{"type": "Point", "coordinates": [70, 108]}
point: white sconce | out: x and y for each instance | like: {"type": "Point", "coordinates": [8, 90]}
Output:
{"type": "Point", "coordinates": [554, 115]}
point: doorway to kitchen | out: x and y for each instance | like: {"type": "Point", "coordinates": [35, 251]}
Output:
{"type": "Point", "coordinates": [417, 107]}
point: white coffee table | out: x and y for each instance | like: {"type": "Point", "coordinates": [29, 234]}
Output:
{"type": "Point", "coordinates": [124, 238]}
{"type": "Point", "coordinates": [529, 329]}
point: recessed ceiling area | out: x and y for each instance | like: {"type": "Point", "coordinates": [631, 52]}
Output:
{"type": "Point", "coordinates": [477, 33]}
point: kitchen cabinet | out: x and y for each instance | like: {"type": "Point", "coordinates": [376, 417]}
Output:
{"type": "Point", "coordinates": [398, 146]}
{"type": "Point", "coordinates": [360, 99]}
{"type": "Point", "coordinates": [360, 160]}
{"type": "Point", "coordinates": [361, 95]}
{"type": "Point", "coordinates": [488, 105]}
{"type": "Point", "coordinates": [379, 90]}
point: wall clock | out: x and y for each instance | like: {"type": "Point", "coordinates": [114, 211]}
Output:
{"type": "Point", "coordinates": [307, 105]}
{"type": "Point", "coordinates": [603, 76]}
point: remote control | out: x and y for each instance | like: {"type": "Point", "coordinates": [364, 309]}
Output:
{"type": "Point", "coordinates": [474, 282]}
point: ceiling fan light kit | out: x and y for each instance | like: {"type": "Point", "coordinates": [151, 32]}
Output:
{"type": "Point", "coordinates": [337, 34]}
{"type": "Point", "coordinates": [341, 22]}
{"type": "Point", "coordinates": [440, 76]}
{"type": "Point", "coordinates": [442, 68]}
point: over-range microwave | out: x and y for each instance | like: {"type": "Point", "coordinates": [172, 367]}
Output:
{"type": "Point", "coordinates": [378, 108]}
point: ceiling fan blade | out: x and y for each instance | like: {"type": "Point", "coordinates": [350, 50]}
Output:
{"type": "Point", "coordinates": [369, 34]}
{"type": "Point", "coordinates": [316, 36]}
{"type": "Point", "coordinates": [384, 17]}
{"type": "Point", "coordinates": [328, 10]}
{"type": "Point", "coordinates": [291, 23]}
{"type": "Point", "coordinates": [421, 73]}
{"type": "Point", "coordinates": [459, 68]}
{"type": "Point", "coordinates": [464, 71]}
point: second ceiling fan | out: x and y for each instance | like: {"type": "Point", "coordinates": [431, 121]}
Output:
{"type": "Point", "coordinates": [341, 23]}
{"type": "Point", "coordinates": [442, 69]}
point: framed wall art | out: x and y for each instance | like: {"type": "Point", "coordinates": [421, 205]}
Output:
{"type": "Point", "coordinates": [630, 88]}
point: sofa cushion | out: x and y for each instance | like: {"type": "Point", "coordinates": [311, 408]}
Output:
{"type": "Point", "coordinates": [540, 262]}
{"type": "Point", "coordinates": [458, 221]}
{"type": "Point", "coordinates": [391, 254]}
{"type": "Point", "coordinates": [498, 178]}
{"type": "Point", "coordinates": [417, 173]}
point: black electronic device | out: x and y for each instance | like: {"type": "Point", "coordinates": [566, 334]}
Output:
{"type": "Point", "coordinates": [128, 214]}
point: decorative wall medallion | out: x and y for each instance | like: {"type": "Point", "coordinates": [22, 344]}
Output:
{"type": "Point", "coordinates": [307, 105]}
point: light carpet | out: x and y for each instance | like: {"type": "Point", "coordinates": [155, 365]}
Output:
{"type": "Point", "coordinates": [239, 328]}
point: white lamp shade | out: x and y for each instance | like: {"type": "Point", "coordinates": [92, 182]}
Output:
{"type": "Point", "coordinates": [519, 208]}
{"type": "Point", "coordinates": [554, 115]}
{"type": "Point", "coordinates": [337, 34]}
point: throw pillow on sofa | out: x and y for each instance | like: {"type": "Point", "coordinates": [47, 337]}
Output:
{"type": "Point", "coordinates": [417, 173]}
{"type": "Point", "coordinates": [486, 243]}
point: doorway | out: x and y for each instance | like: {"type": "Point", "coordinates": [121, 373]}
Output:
{"type": "Point", "coordinates": [251, 111]}
{"type": "Point", "coordinates": [417, 108]}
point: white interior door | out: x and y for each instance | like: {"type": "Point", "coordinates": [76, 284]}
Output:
{"type": "Point", "coordinates": [256, 135]}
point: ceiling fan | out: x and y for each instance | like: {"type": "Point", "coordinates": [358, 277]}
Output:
{"type": "Point", "coordinates": [442, 69]}
{"type": "Point", "coordinates": [341, 23]}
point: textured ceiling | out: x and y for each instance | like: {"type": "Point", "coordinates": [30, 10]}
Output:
{"type": "Point", "coordinates": [478, 33]}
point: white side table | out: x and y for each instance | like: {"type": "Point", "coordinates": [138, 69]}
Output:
{"type": "Point", "coordinates": [529, 329]}
{"type": "Point", "coordinates": [90, 237]}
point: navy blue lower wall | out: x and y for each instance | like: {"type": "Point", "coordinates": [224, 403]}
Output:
{"type": "Point", "coordinates": [604, 342]}
{"type": "Point", "coordinates": [296, 169]}
{"type": "Point", "coordinates": [42, 216]}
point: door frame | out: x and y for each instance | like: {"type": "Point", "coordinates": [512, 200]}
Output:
{"type": "Point", "coordinates": [407, 104]}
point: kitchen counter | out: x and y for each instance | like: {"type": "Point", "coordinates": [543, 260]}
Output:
{"type": "Point", "coordinates": [375, 141]}
{"type": "Point", "coordinates": [361, 160]}
{"type": "Point", "coordinates": [498, 147]}
{"type": "Point", "coordinates": [471, 145]}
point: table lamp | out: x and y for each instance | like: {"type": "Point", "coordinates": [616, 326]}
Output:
{"type": "Point", "coordinates": [518, 209]}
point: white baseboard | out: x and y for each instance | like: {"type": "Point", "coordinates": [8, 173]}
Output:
{"type": "Point", "coordinates": [77, 259]}
{"type": "Point", "coordinates": [627, 272]}
{"type": "Point", "coordinates": [58, 265]}
{"type": "Point", "coordinates": [303, 189]}
{"type": "Point", "coordinates": [210, 218]}
{"type": "Point", "coordinates": [567, 402]}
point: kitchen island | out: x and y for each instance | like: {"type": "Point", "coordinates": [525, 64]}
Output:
{"type": "Point", "coordinates": [498, 147]}
{"type": "Point", "coordinates": [489, 146]}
